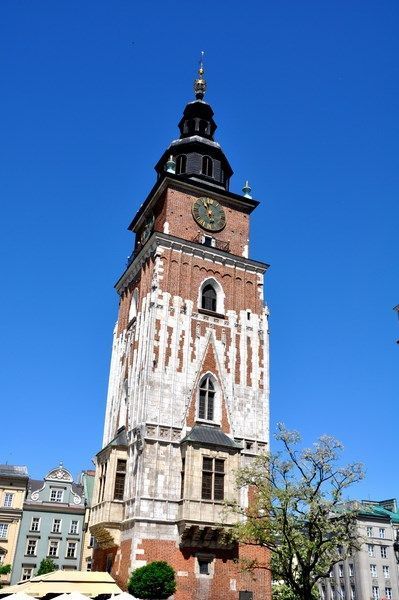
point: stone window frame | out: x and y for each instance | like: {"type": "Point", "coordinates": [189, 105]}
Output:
{"type": "Point", "coordinates": [8, 499]}
{"type": "Point", "coordinates": [57, 495]}
{"type": "Point", "coordinates": [35, 524]}
{"type": "Point", "coordinates": [208, 558]}
{"type": "Point", "coordinates": [58, 529]}
{"type": "Point", "coordinates": [220, 295]}
{"type": "Point", "coordinates": [74, 527]}
{"type": "Point", "coordinates": [53, 544]}
{"type": "Point", "coordinates": [215, 475]}
{"type": "Point", "coordinates": [3, 531]}
{"type": "Point", "coordinates": [217, 411]}
{"type": "Point", "coordinates": [23, 573]}
{"type": "Point", "coordinates": [71, 549]}
{"type": "Point", "coordinates": [31, 544]}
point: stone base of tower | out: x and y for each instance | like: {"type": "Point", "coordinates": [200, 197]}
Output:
{"type": "Point", "coordinates": [225, 580]}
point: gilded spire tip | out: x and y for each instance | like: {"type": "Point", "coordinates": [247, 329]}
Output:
{"type": "Point", "coordinates": [200, 83]}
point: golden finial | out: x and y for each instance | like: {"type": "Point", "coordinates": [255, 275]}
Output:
{"type": "Point", "coordinates": [200, 83]}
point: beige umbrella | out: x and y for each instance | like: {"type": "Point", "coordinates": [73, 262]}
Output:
{"type": "Point", "coordinates": [88, 583]}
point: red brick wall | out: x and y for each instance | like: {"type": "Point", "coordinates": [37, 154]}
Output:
{"type": "Point", "coordinates": [192, 587]}
{"type": "Point", "coordinates": [175, 208]}
{"type": "Point", "coordinates": [240, 288]}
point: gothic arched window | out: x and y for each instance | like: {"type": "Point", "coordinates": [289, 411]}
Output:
{"type": "Point", "coordinates": [209, 298]}
{"type": "Point", "coordinates": [206, 405]}
{"type": "Point", "coordinates": [181, 164]}
{"type": "Point", "coordinates": [207, 166]}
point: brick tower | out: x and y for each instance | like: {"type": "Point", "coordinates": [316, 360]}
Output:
{"type": "Point", "coordinates": [188, 398]}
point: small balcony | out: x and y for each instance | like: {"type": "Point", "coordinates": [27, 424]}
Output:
{"type": "Point", "coordinates": [211, 242]}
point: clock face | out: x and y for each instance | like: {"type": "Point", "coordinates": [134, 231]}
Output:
{"type": "Point", "coordinates": [209, 214]}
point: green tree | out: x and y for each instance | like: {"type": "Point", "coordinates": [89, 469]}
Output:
{"type": "Point", "coordinates": [47, 565]}
{"type": "Point", "coordinates": [298, 511]}
{"type": "Point", "coordinates": [155, 581]}
{"type": "Point", "coordinates": [4, 570]}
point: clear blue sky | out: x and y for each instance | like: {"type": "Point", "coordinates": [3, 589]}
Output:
{"type": "Point", "coordinates": [306, 98]}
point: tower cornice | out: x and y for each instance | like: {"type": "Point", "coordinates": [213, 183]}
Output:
{"type": "Point", "coordinates": [166, 241]}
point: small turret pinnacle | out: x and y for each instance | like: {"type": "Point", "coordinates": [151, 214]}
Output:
{"type": "Point", "coordinates": [200, 83]}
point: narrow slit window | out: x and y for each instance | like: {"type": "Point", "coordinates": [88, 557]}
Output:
{"type": "Point", "coordinates": [207, 166]}
{"type": "Point", "coordinates": [181, 164]}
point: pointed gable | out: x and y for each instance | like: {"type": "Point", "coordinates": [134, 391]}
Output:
{"type": "Point", "coordinates": [210, 365]}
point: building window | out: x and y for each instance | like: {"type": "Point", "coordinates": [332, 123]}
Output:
{"type": "Point", "coordinates": [3, 531]}
{"type": "Point", "coordinates": [71, 550]}
{"type": "Point", "coordinates": [342, 593]}
{"type": "Point", "coordinates": [383, 551]}
{"type": "Point", "coordinates": [353, 592]}
{"type": "Point", "coordinates": [102, 478]}
{"type": "Point", "coordinates": [206, 403]}
{"type": "Point", "coordinates": [204, 565]}
{"type": "Point", "coordinates": [120, 479]}
{"type": "Point", "coordinates": [212, 478]}
{"type": "Point", "coordinates": [385, 570]}
{"type": "Point", "coordinates": [91, 542]}
{"type": "Point", "coordinates": [341, 570]}
{"type": "Point", "coordinates": [56, 526]}
{"type": "Point", "coordinates": [31, 547]}
{"type": "Point", "coordinates": [27, 573]}
{"type": "Point", "coordinates": [89, 565]}
{"type": "Point", "coordinates": [181, 164]}
{"type": "Point", "coordinates": [56, 495]}
{"type": "Point", "coordinates": [209, 298]}
{"type": "Point", "coordinates": [182, 473]}
{"type": "Point", "coordinates": [35, 524]}
{"type": "Point", "coordinates": [207, 166]}
{"type": "Point", "coordinates": [375, 592]}
{"type": "Point", "coordinates": [53, 548]}
{"type": "Point", "coordinates": [8, 498]}
{"type": "Point", "coordinates": [373, 570]}
{"type": "Point", "coordinates": [369, 532]}
{"type": "Point", "coordinates": [351, 572]}
{"type": "Point", "coordinates": [381, 532]}
{"type": "Point", "coordinates": [370, 549]}
{"type": "Point", "coordinates": [74, 528]}
{"type": "Point", "coordinates": [388, 593]}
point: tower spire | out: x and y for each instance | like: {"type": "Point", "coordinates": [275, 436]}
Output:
{"type": "Point", "coordinates": [200, 83]}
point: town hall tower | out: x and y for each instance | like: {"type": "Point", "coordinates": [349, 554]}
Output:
{"type": "Point", "coordinates": [188, 397]}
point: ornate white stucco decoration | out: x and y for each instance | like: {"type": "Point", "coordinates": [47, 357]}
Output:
{"type": "Point", "coordinates": [59, 474]}
{"type": "Point", "coordinates": [35, 495]}
{"type": "Point", "coordinates": [76, 499]}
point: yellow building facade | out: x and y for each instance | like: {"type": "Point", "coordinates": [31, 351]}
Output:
{"type": "Point", "coordinates": [13, 486]}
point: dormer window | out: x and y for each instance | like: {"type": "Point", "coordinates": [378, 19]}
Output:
{"type": "Point", "coordinates": [206, 405]}
{"type": "Point", "coordinates": [181, 164]}
{"type": "Point", "coordinates": [56, 495]}
{"type": "Point", "coordinates": [207, 166]}
{"type": "Point", "coordinates": [209, 298]}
